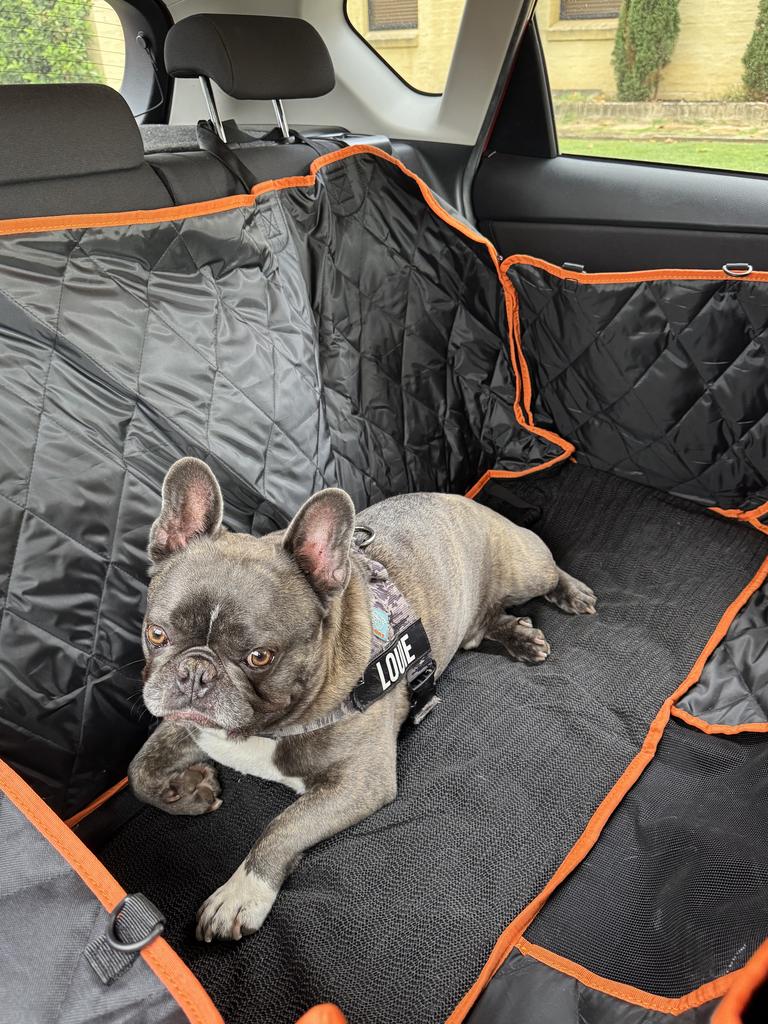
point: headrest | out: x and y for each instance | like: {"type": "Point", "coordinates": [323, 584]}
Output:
{"type": "Point", "coordinates": [63, 131]}
{"type": "Point", "coordinates": [251, 57]}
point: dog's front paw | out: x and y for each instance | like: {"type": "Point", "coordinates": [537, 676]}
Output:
{"type": "Point", "coordinates": [194, 790]}
{"type": "Point", "coordinates": [237, 908]}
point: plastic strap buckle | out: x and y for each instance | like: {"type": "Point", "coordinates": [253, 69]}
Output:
{"type": "Point", "coordinates": [423, 693]}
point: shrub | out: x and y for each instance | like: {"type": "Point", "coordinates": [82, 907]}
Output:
{"type": "Point", "coordinates": [645, 39]}
{"type": "Point", "coordinates": [755, 58]}
{"type": "Point", "coordinates": [45, 41]}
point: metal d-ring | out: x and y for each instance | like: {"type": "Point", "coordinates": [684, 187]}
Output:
{"type": "Point", "coordinates": [737, 269]}
{"type": "Point", "coordinates": [367, 539]}
{"type": "Point", "coordinates": [129, 947]}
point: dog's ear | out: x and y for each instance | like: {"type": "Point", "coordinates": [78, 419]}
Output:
{"type": "Point", "coordinates": [319, 539]}
{"type": "Point", "coordinates": [192, 507]}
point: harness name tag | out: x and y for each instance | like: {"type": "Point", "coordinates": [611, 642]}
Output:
{"type": "Point", "coordinates": [397, 662]}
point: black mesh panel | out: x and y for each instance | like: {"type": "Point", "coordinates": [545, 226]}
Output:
{"type": "Point", "coordinates": [675, 893]}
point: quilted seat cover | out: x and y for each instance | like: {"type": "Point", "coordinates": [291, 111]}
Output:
{"type": "Point", "coordinates": [661, 378]}
{"type": "Point", "coordinates": [337, 333]}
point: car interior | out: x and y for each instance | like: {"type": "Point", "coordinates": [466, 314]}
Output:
{"type": "Point", "coordinates": [264, 247]}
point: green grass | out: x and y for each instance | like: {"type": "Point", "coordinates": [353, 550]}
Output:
{"type": "Point", "coordinates": [727, 156]}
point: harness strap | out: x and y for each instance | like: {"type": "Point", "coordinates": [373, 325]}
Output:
{"type": "Point", "coordinates": [400, 653]}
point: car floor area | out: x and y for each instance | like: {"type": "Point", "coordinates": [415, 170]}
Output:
{"type": "Point", "coordinates": [394, 918]}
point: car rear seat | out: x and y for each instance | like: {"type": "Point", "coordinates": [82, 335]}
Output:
{"type": "Point", "coordinates": [72, 149]}
{"type": "Point", "coordinates": [76, 148]}
{"type": "Point", "coordinates": [249, 57]}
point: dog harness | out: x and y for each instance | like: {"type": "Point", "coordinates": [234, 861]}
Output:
{"type": "Point", "coordinates": [400, 653]}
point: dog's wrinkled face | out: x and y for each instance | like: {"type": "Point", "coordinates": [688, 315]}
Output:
{"type": "Point", "coordinates": [233, 633]}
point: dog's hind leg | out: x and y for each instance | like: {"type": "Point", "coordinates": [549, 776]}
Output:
{"type": "Point", "coordinates": [572, 595]}
{"type": "Point", "coordinates": [522, 640]}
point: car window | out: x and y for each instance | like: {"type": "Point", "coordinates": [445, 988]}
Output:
{"type": "Point", "coordinates": [416, 38]}
{"type": "Point", "coordinates": [668, 81]}
{"type": "Point", "coordinates": [60, 41]}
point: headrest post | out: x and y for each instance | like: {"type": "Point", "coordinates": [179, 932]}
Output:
{"type": "Point", "coordinates": [210, 102]}
{"type": "Point", "coordinates": [282, 123]}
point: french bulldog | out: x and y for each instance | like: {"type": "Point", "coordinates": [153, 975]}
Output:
{"type": "Point", "coordinates": [245, 635]}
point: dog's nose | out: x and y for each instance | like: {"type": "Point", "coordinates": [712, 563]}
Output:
{"type": "Point", "coordinates": [194, 675]}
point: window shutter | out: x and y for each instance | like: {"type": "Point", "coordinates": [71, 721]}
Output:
{"type": "Point", "coordinates": [389, 14]}
{"type": "Point", "coordinates": [589, 9]}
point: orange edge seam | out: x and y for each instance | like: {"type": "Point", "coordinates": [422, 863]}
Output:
{"type": "Point", "coordinates": [94, 805]}
{"type": "Point", "coordinates": [514, 931]}
{"type": "Point", "coordinates": [164, 963]}
{"type": "Point", "coordinates": [628, 993]}
{"type": "Point", "coordinates": [715, 728]}
{"type": "Point", "coordinates": [672, 274]}
{"type": "Point", "coordinates": [751, 977]}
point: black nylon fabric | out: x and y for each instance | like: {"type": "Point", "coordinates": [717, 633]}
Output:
{"type": "Point", "coordinates": [525, 991]}
{"type": "Point", "coordinates": [675, 892]}
{"type": "Point", "coordinates": [733, 689]}
{"type": "Point", "coordinates": [394, 918]}
{"type": "Point", "coordinates": [663, 382]}
{"type": "Point", "coordinates": [335, 334]}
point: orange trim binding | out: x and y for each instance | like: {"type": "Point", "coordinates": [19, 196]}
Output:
{"type": "Point", "coordinates": [28, 225]}
{"type": "Point", "coordinates": [628, 993]}
{"type": "Point", "coordinates": [165, 964]}
{"type": "Point", "coordinates": [326, 1013]}
{"type": "Point", "coordinates": [626, 277]}
{"type": "Point", "coordinates": [750, 516]}
{"type": "Point", "coordinates": [514, 931]}
{"type": "Point", "coordinates": [748, 981]}
{"type": "Point", "coordinates": [715, 729]}
{"type": "Point", "coordinates": [523, 413]}
{"type": "Point", "coordinates": [94, 805]}
{"type": "Point", "coordinates": [67, 222]}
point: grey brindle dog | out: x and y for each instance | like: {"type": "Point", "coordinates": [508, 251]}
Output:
{"type": "Point", "coordinates": [244, 635]}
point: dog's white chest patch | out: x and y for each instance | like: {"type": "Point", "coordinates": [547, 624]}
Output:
{"type": "Point", "coordinates": [254, 756]}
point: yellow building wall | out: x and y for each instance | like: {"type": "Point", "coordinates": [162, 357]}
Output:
{"type": "Point", "coordinates": [106, 48]}
{"type": "Point", "coordinates": [421, 55]}
{"type": "Point", "coordinates": [706, 63]}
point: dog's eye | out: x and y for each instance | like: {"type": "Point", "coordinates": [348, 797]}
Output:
{"type": "Point", "coordinates": [156, 636]}
{"type": "Point", "coordinates": [262, 657]}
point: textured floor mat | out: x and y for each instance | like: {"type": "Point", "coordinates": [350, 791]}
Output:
{"type": "Point", "coordinates": [394, 918]}
{"type": "Point", "coordinates": [689, 904]}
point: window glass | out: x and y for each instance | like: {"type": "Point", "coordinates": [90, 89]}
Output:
{"type": "Point", "coordinates": [60, 41]}
{"type": "Point", "coordinates": [667, 81]}
{"type": "Point", "coordinates": [415, 37]}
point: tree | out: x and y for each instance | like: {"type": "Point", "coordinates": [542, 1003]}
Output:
{"type": "Point", "coordinates": [45, 41]}
{"type": "Point", "coordinates": [755, 58]}
{"type": "Point", "coordinates": [645, 39]}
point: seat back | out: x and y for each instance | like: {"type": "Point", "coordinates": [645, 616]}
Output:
{"type": "Point", "coordinates": [72, 149]}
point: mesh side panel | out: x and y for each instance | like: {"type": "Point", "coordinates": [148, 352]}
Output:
{"type": "Point", "coordinates": [675, 893]}
{"type": "Point", "coordinates": [394, 918]}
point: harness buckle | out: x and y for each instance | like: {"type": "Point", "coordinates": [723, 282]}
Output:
{"type": "Point", "coordinates": [423, 693]}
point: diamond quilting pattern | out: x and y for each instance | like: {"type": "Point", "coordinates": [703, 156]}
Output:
{"type": "Point", "coordinates": [334, 334]}
{"type": "Point", "coordinates": [664, 382]}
